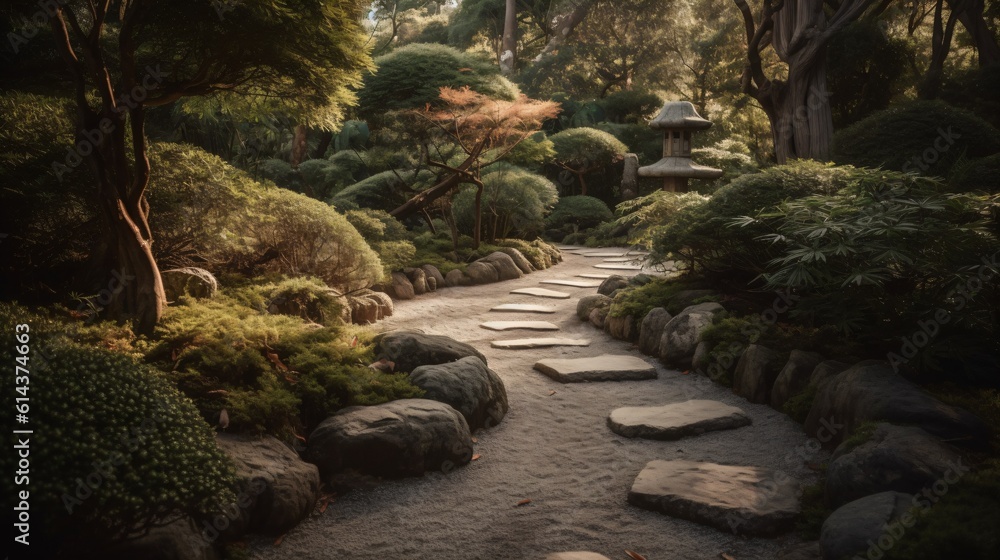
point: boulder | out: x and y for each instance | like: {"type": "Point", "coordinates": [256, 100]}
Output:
{"type": "Point", "coordinates": [368, 306]}
{"type": "Point", "coordinates": [826, 370]}
{"type": "Point", "coordinates": [586, 304]}
{"type": "Point", "coordinates": [519, 259]}
{"type": "Point", "coordinates": [651, 330]}
{"type": "Point", "coordinates": [190, 281]}
{"type": "Point", "coordinates": [179, 540]}
{"type": "Point", "coordinates": [641, 279]}
{"type": "Point", "coordinates": [410, 350]}
{"type": "Point", "coordinates": [866, 525]}
{"type": "Point", "coordinates": [310, 308]}
{"type": "Point", "coordinates": [432, 284]}
{"type": "Point", "coordinates": [870, 391]}
{"type": "Point", "coordinates": [418, 278]}
{"type": "Point", "coordinates": [700, 360]}
{"type": "Point", "coordinates": [431, 271]}
{"type": "Point", "coordinates": [480, 272]}
{"type": "Point", "coordinates": [612, 284]}
{"type": "Point", "coordinates": [622, 328]}
{"type": "Point", "coordinates": [468, 386]}
{"type": "Point", "coordinates": [401, 288]}
{"type": "Point", "coordinates": [282, 488]}
{"type": "Point", "coordinates": [506, 269]}
{"type": "Point", "coordinates": [803, 551]}
{"type": "Point", "coordinates": [456, 278]}
{"type": "Point", "coordinates": [755, 373]}
{"type": "Point", "coordinates": [576, 555]}
{"type": "Point", "coordinates": [682, 333]}
{"type": "Point", "coordinates": [794, 377]}
{"type": "Point", "coordinates": [597, 316]}
{"type": "Point", "coordinates": [898, 458]}
{"type": "Point", "coordinates": [399, 438]}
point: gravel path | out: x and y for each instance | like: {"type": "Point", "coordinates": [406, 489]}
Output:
{"type": "Point", "coordinates": [555, 450]}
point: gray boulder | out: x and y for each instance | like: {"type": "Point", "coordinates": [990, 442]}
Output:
{"type": "Point", "coordinates": [400, 287]}
{"type": "Point", "coordinates": [683, 332]}
{"type": "Point", "coordinates": [755, 373]}
{"type": "Point", "coordinates": [597, 316]}
{"type": "Point", "coordinates": [190, 281]}
{"type": "Point", "coordinates": [368, 306]}
{"type": "Point", "coordinates": [899, 458]}
{"type": "Point", "coordinates": [586, 304]}
{"type": "Point", "coordinates": [482, 273]}
{"type": "Point", "coordinates": [699, 362]}
{"type": "Point", "coordinates": [825, 370]}
{"type": "Point", "coordinates": [431, 271]}
{"type": "Point", "coordinates": [870, 391]}
{"type": "Point", "coordinates": [794, 377]}
{"type": "Point", "coordinates": [803, 551]}
{"type": "Point", "coordinates": [410, 350]}
{"type": "Point", "coordinates": [468, 386]}
{"type": "Point", "coordinates": [280, 488]}
{"type": "Point", "coordinates": [866, 525]}
{"type": "Point", "coordinates": [395, 439]}
{"type": "Point", "coordinates": [432, 284]}
{"type": "Point", "coordinates": [621, 328]}
{"type": "Point", "coordinates": [641, 279]}
{"type": "Point", "coordinates": [418, 278]}
{"type": "Point", "coordinates": [506, 269]}
{"type": "Point", "coordinates": [519, 259]}
{"type": "Point", "coordinates": [651, 330]}
{"type": "Point", "coordinates": [612, 284]}
{"type": "Point", "coordinates": [179, 540]}
{"type": "Point", "coordinates": [456, 278]}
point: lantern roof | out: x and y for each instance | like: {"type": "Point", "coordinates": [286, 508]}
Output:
{"type": "Point", "coordinates": [679, 167]}
{"type": "Point", "coordinates": [679, 115]}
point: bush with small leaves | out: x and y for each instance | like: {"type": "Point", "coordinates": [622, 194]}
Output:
{"type": "Point", "coordinates": [514, 203]}
{"type": "Point", "coordinates": [578, 212]}
{"type": "Point", "coordinates": [382, 191]}
{"type": "Point", "coordinates": [386, 235]}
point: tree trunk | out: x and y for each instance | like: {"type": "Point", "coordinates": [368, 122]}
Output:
{"type": "Point", "coordinates": [564, 24]}
{"type": "Point", "coordinates": [299, 145]}
{"type": "Point", "coordinates": [972, 20]}
{"type": "Point", "coordinates": [508, 46]}
{"type": "Point", "coordinates": [324, 144]}
{"type": "Point", "coordinates": [478, 230]}
{"type": "Point", "coordinates": [930, 86]}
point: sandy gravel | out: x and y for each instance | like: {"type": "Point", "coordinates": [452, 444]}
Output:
{"type": "Point", "coordinates": [554, 450]}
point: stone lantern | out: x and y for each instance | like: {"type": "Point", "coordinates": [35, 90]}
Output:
{"type": "Point", "coordinates": [678, 120]}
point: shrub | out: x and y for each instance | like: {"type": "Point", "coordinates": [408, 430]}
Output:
{"type": "Point", "coordinates": [727, 157]}
{"type": "Point", "coordinates": [307, 298]}
{"type": "Point", "coordinates": [386, 235]}
{"type": "Point", "coordinates": [540, 254]}
{"type": "Point", "coordinates": [382, 191]}
{"type": "Point", "coordinates": [412, 76]}
{"type": "Point", "coordinates": [630, 106]}
{"type": "Point", "coordinates": [514, 203]}
{"type": "Point", "coordinates": [639, 139]}
{"type": "Point", "coordinates": [584, 152]}
{"type": "Point", "coordinates": [139, 447]}
{"type": "Point", "coordinates": [645, 214]}
{"type": "Point", "coordinates": [578, 212]}
{"type": "Point", "coordinates": [977, 175]}
{"type": "Point", "coordinates": [323, 178]}
{"type": "Point", "coordinates": [532, 152]}
{"type": "Point", "coordinates": [925, 137]}
{"type": "Point", "coordinates": [280, 172]}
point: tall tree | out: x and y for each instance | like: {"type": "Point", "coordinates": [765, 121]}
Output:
{"type": "Point", "coordinates": [508, 46]}
{"type": "Point", "coordinates": [798, 31]}
{"type": "Point", "coordinates": [126, 56]}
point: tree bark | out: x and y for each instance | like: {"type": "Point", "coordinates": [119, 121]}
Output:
{"type": "Point", "coordinates": [508, 46]}
{"type": "Point", "coordinates": [299, 145]}
{"type": "Point", "coordinates": [972, 20]}
{"type": "Point", "coordinates": [564, 24]}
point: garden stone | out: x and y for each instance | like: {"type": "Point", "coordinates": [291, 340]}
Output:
{"type": "Point", "coordinates": [803, 551]}
{"type": "Point", "coordinates": [898, 458]}
{"type": "Point", "coordinates": [675, 421]}
{"type": "Point", "coordinates": [651, 330]}
{"type": "Point", "coordinates": [586, 304]}
{"type": "Point", "coordinates": [540, 292]}
{"type": "Point", "coordinates": [179, 540]}
{"type": "Point", "coordinates": [368, 306]}
{"type": "Point", "coordinates": [401, 288]}
{"type": "Point", "coordinates": [597, 316]}
{"type": "Point", "coordinates": [870, 391]}
{"type": "Point", "coordinates": [700, 360]}
{"type": "Point", "coordinates": [432, 284]}
{"type": "Point", "coordinates": [747, 500]}
{"type": "Point", "coordinates": [618, 266]}
{"type": "Point", "coordinates": [482, 273]}
{"type": "Point", "coordinates": [621, 328]}
{"type": "Point", "coordinates": [682, 333]}
{"type": "Point", "coordinates": [572, 283]}
{"type": "Point", "coordinates": [506, 269]}
{"type": "Point", "coordinates": [614, 282]}
{"type": "Point", "coordinates": [400, 438]}
{"type": "Point", "coordinates": [283, 488]}
{"type": "Point", "coordinates": [594, 276]}
{"type": "Point", "coordinates": [523, 308]}
{"type": "Point", "coordinates": [468, 386]}
{"type": "Point", "coordinates": [432, 271]}
{"type": "Point", "coordinates": [825, 370]}
{"type": "Point", "coordinates": [456, 278]}
{"type": "Point", "coordinates": [640, 279]}
{"type": "Point", "coordinates": [858, 527]}
{"type": "Point", "coordinates": [576, 555]}
{"type": "Point", "coordinates": [418, 279]}
{"type": "Point", "coordinates": [755, 373]}
{"type": "Point", "coordinates": [410, 350]}
{"type": "Point", "coordinates": [606, 367]}
{"type": "Point", "coordinates": [522, 343]}
{"type": "Point", "coordinates": [190, 281]}
{"type": "Point", "coordinates": [526, 325]}
{"type": "Point", "coordinates": [794, 377]}
{"type": "Point", "coordinates": [519, 259]}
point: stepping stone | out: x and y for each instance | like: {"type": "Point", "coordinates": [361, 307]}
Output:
{"type": "Point", "coordinates": [540, 292]}
{"type": "Point", "coordinates": [604, 254]}
{"type": "Point", "coordinates": [746, 500]}
{"type": "Point", "coordinates": [594, 276]}
{"type": "Point", "coordinates": [572, 283]}
{"type": "Point", "coordinates": [674, 421]}
{"type": "Point", "coordinates": [613, 266]}
{"type": "Point", "coordinates": [576, 555]}
{"type": "Point", "coordinates": [621, 260]}
{"type": "Point", "coordinates": [523, 308]}
{"type": "Point", "coordinates": [538, 343]}
{"type": "Point", "coordinates": [512, 325]}
{"type": "Point", "coordinates": [606, 367]}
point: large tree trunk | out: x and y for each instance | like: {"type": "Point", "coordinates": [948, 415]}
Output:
{"type": "Point", "coordinates": [508, 46]}
{"type": "Point", "coordinates": [564, 24]}
{"type": "Point", "coordinates": [299, 145]}
{"type": "Point", "coordinates": [972, 19]}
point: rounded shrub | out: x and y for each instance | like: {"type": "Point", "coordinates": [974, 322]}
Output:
{"type": "Point", "coordinates": [382, 191]}
{"type": "Point", "coordinates": [386, 235]}
{"type": "Point", "coordinates": [514, 203]}
{"type": "Point", "coordinates": [982, 174]}
{"type": "Point", "coordinates": [925, 137]}
{"type": "Point", "coordinates": [588, 158]}
{"type": "Point", "coordinates": [578, 212]}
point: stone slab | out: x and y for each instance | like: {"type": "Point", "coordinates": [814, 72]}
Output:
{"type": "Point", "coordinates": [602, 254]}
{"type": "Point", "coordinates": [605, 367]}
{"type": "Point", "coordinates": [618, 266]}
{"type": "Point", "coordinates": [621, 260]}
{"type": "Point", "coordinates": [674, 421]}
{"type": "Point", "coordinates": [748, 500]}
{"type": "Point", "coordinates": [576, 555]}
{"type": "Point", "coordinates": [594, 276]}
{"type": "Point", "coordinates": [523, 308]}
{"type": "Point", "coordinates": [514, 325]}
{"type": "Point", "coordinates": [572, 283]}
{"type": "Point", "coordinates": [540, 292]}
{"type": "Point", "coordinates": [521, 343]}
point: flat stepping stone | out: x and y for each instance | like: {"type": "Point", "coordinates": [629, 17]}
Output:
{"type": "Point", "coordinates": [523, 308]}
{"type": "Point", "coordinates": [674, 421]}
{"type": "Point", "coordinates": [576, 555]}
{"type": "Point", "coordinates": [604, 254]}
{"type": "Point", "coordinates": [540, 292]}
{"type": "Point", "coordinates": [618, 266]}
{"type": "Point", "coordinates": [621, 260]}
{"type": "Point", "coordinates": [605, 367]}
{"type": "Point", "coordinates": [521, 343]}
{"type": "Point", "coordinates": [594, 276]}
{"type": "Point", "coordinates": [572, 283]}
{"type": "Point", "coordinates": [513, 325]}
{"type": "Point", "coordinates": [747, 500]}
